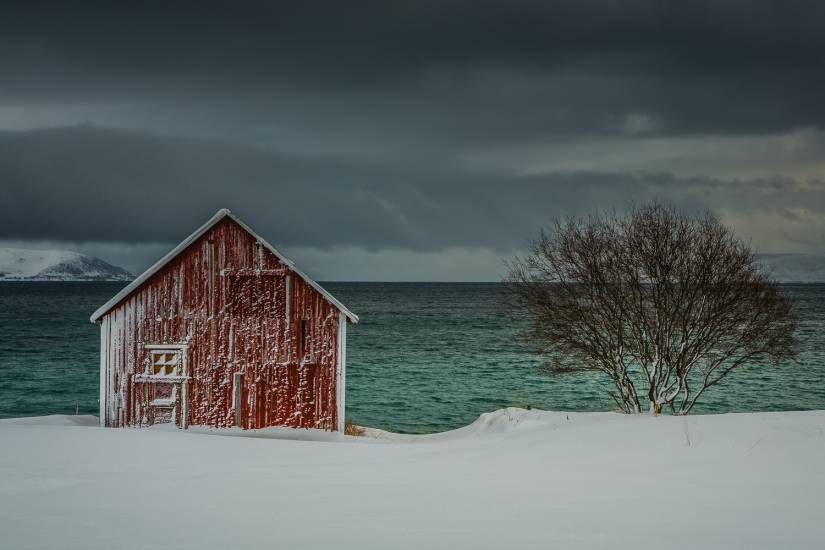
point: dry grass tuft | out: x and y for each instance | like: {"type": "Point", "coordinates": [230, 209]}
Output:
{"type": "Point", "coordinates": [350, 428]}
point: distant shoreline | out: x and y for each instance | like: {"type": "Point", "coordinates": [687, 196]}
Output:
{"type": "Point", "coordinates": [23, 280]}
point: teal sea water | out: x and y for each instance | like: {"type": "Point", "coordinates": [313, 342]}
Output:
{"type": "Point", "coordinates": [426, 357]}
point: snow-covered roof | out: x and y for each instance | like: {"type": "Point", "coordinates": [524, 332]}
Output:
{"type": "Point", "coordinates": [219, 215]}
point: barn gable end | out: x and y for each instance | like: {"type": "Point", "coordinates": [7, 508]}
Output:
{"type": "Point", "coordinates": [223, 331]}
{"type": "Point", "coordinates": [219, 215]}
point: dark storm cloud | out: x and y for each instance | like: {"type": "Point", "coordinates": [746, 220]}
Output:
{"type": "Point", "coordinates": [413, 126]}
{"type": "Point", "coordinates": [88, 184]}
{"type": "Point", "coordinates": [479, 70]}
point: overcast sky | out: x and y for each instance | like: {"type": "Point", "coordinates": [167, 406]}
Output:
{"type": "Point", "coordinates": [405, 140]}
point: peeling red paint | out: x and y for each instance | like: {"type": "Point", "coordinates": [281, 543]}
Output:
{"type": "Point", "coordinates": [225, 296]}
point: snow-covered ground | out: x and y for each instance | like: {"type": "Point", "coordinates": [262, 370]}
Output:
{"type": "Point", "coordinates": [56, 265]}
{"type": "Point", "coordinates": [513, 479]}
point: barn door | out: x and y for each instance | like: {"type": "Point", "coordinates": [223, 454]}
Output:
{"type": "Point", "coordinates": [165, 385]}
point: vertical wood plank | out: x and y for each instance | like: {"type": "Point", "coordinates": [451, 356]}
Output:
{"type": "Point", "coordinates": [225, 298]}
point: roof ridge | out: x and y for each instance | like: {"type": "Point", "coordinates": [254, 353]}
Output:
{"type": "Point", "coordinates": [169, 256]}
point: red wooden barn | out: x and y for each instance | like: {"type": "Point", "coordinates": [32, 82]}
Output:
{"type": "Point", "coordinates": [223, 331]}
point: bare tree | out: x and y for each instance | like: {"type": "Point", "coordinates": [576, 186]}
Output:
{"type": "Point", "coordinates": [665, 304]}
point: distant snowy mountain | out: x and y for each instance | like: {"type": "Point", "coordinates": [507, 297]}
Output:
{"type": "Point", "coordinates": [18, 264]}
{"type": "Point", "coordinates": [795, 268]}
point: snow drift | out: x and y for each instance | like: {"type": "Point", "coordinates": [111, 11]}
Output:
{"type": "Point", "coordinates": [512, 479]}
{"type": "Point", "coordinates": [56, 265]}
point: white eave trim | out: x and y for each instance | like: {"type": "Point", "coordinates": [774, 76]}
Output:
{"type": "Point", "coordinates": [219, 215]}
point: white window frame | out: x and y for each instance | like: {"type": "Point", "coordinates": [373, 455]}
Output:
{"type": "Point", "coordinates": [182, 377]}
{"type": "Point", "coordinates": [183, 367]}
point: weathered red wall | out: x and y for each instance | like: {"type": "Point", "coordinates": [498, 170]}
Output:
{"type": "Point", "coordinates": [233, 314]}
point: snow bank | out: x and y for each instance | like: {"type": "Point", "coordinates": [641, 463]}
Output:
{"type": "Point", "coordinates": [497, 422]}
{"type": "Point", "coordinates": [52, 420]}
{"type": "Point", "coordinates": [512, 479]}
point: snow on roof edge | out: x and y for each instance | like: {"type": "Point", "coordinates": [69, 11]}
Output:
{"type": "Point", "coordinates": [219, 215]}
